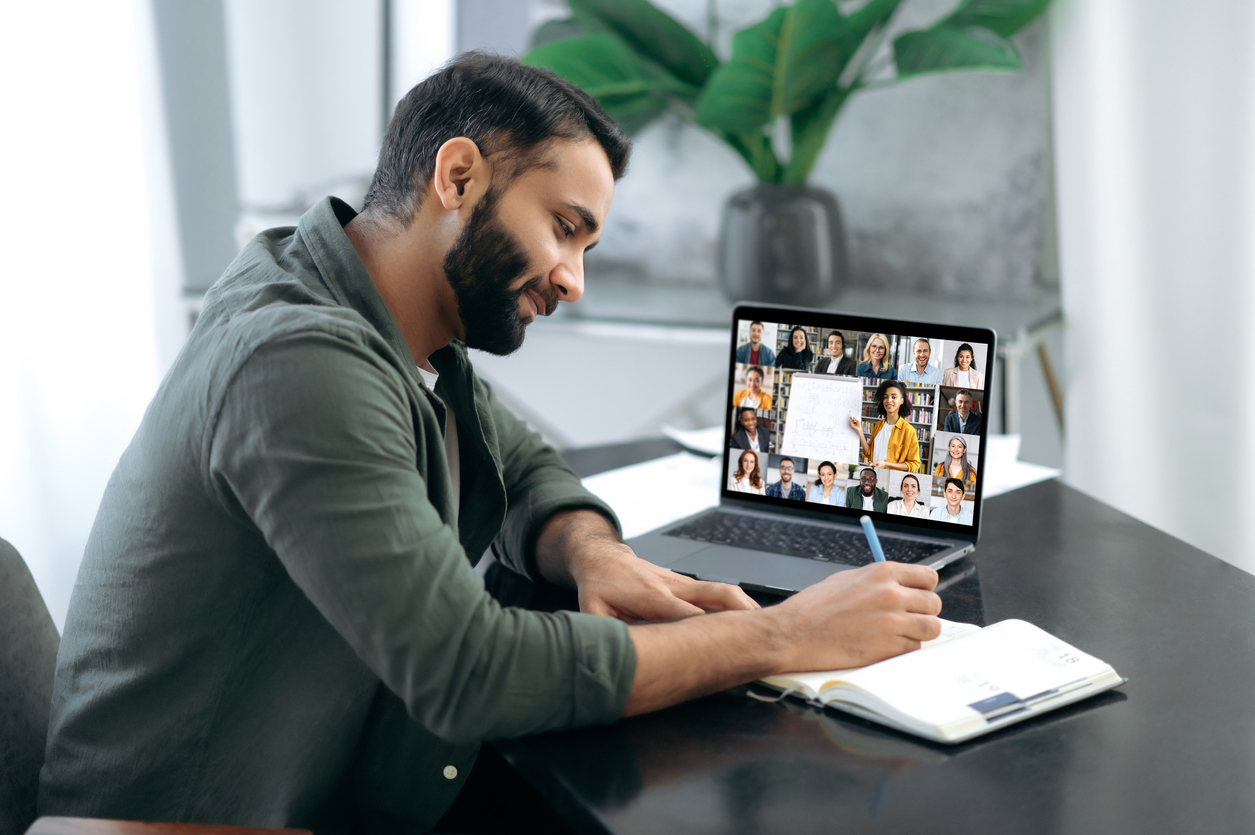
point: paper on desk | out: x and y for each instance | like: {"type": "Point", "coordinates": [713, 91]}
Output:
{"type": "Point", "coordinates": [648, 495]}
{"type": "Point", "coordinates": [708, 440]}
{"type": "Point", "coordinates": [1004, 471]}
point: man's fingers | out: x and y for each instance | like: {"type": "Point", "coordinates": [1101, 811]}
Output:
{"type": "Point", "coordinates": [713, 597]}
{"type": "Point", "coordinates": [922, 602]}
{"type": "Point", "coordinates": [915, 576]}
{"type": "Point", "coordinates": [661, 607]}
{"type": "Point", "coordinates": [919, 627]}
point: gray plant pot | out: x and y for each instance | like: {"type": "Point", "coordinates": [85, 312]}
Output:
{"type": "Point", "coordinates": [782, 244]}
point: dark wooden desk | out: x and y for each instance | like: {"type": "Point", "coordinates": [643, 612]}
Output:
{"type": "Point", "coordinates": [1172, 751]}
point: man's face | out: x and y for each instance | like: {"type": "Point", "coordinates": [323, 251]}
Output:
{"type": "Point", "coordinates": [749, 422]}
{"type": "Point", "coordinates": [964, 404]}
{"type": "Point", "coordinates": [954, 496]}
{"type": "Point", "coordinates": [836, 345]}
{"type": "Point", "coordinates": [755, 381]}
{"type": "Point", "coordinates": [922, 353]}
{"type": "Point", "coordinates": [786, 472]}
{"type": "Point", "coordinates": [756, 334]}
{"type": "Point", "coordinates": [867, 482]}
{"type": "Point", "coordinates": [522, 249]}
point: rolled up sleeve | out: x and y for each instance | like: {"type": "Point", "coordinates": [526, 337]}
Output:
{"type": "Point", "coordinates": [319, 445]}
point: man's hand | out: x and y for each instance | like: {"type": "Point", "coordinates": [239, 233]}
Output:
{"type": "Point", "coordinates": [580, 548]}
{"type": "Point", "coordinates": [853, 618]}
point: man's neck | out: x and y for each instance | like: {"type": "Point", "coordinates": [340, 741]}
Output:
{"type": "Point", "coordinates": [962, 416]}
{"type": "Point", "coordinates": [407, 268]}
{"type": "Point", "coordinates": [954, 509]}
{"type": "Point", "coordinates": [921, 367]}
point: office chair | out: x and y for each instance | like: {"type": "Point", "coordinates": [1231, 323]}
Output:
{"type": "Point", "coordinates": [28, 660]}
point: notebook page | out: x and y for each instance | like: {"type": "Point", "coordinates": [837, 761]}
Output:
{"type": "Point", "coordinates": [986, 673]}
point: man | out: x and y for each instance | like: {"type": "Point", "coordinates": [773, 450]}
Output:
{"type": "Point", "coordinates": [963, 419]}
{"type": "Point", "coordinates": [755, 352]}
{"type": "Point", "coordinates": [954, 511]}
{"type": "Point", "coordinates": [752, 395]}
{"type": "Point", "coordinates": [867, 496]}
{"type": "Point", "coordinates": [920, 372]}
{"type": "Point", "coordinates": [750, 435]}
{"type": "Point", "coordinates": [786, 488]}
{"type": "Point", "coordinates": [277, 621]}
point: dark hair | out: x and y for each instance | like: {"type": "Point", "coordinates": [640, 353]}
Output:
{"type": "Point", "coordinates": [745, 409]}
{"type": "Point", "coordinates": [957, 483]}
{"type": "Point", "coordinates": [782, 460]}
{"type": "Point", "coordinates": [752, 324]}
{"type": "Point", "coordinates": [962, 348]}
{"type": "Point", "coordinates": [838, 335]}
{"type": "Point", "coordinates": [912, 477]}
{"type": "Point", "coordinates": [501, 106]}
{"type": "Point", "coordinates": [754, 368]}
{"type": "Point", "coordinates": [884, 389]}
{"type": "Point", "coordinates": [828, 464]}
{"type": "Point", "coordinates": [805, 337]}
{"type": "Point", "coordinates": [866, 470]}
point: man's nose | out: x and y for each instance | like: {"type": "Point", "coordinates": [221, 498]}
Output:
{"type": "Point", "coordinates": [568, 279]}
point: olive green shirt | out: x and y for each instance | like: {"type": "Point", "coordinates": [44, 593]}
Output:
{"type": "Point", "coordinates": [277, 621]}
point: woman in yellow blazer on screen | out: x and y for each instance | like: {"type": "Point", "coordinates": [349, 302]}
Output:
{"type": "Point", "coordinates": [752, 395]}
{"type": "Point", "coordinates": [894, 444]}
{"type": "Point", "coordinates": [956, 464]}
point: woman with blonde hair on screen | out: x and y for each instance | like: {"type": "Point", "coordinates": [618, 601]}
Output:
{"type": "Point", "coordinates": [956, 464]}
{"type": "Point", "coordinates": [875, 362]}
{"type": "Point", "coordinates": [894, 444]}
{"type": "Point", "coordinates": [907, 506]}
{"type": "Point", "coordinates": [747, 478]}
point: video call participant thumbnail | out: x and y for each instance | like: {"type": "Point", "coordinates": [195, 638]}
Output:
{"type": "Point", "coordinates": [823, 491]}
{"type": "Point", "coordinates": [746, 478]}
{"type": "Point", "coordinates": [907, 505]}
{"type": "Point", "coordinates": [797, 355]}
{"type": "Point", "coordinates": [920, 372]}
{"type": "Point", "coordinates": [755, 352]}
{"type": "Point", "coordinates": [963, 419]}
{"type": "Point", "coordinates": [956, 464]}
{"type": "Point", "coordinates": [875, 362]}
{"type": "Point", "coordinates": [894, 444]}
{"type": "Point", "coordinates": [750, 435]}
{"type": "Point", "coordinates": [963, 374]}
{"type": "Point", "coordinates": [786, 487]}
{"type": "Point", "coordinates": [867, 495]}
{"type": "Point", "coordinates": [834, 360]}
{"type": "Point", "coordinates": [753, 395]}
{"type": "Point", "coordinates": [954, 510]}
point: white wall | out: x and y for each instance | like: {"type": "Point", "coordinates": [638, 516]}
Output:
{"type": "Point", "coordinates": [77, 348]}
{"type": "Point", "coordinates": [1156, 174]}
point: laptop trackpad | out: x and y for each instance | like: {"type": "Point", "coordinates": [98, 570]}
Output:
{"type": "Point", "coordinates": [758, 568]}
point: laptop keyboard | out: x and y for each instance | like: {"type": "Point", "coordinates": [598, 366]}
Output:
{"type": "Point", "coordinates": [809, 541]}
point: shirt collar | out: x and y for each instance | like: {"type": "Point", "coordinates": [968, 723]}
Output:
{"type": "Point", "coordinates": [342, 270]}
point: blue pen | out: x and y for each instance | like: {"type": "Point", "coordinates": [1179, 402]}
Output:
{"type": "Point", "coordinates": [873, 541]}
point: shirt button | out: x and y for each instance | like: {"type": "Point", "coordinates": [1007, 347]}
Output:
{"type": "Point", "coordinates": [450, 772]}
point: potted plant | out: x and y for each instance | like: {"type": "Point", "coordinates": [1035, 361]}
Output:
{"type": "Point", "coordinates": [774, 102]}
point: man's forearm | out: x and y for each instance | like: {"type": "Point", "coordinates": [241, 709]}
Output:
{"type": "Point", "coordinates": [566, 535]}
{"type": "Point", "coordinates": [702, 655]}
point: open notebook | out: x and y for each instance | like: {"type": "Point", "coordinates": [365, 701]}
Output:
{"type": "Point", "coordinates": [967, 682]}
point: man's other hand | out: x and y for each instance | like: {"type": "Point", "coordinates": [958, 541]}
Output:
{"type": "Point", "coordinates": [582, 549]}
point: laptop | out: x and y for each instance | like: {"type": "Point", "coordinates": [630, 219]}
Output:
{"type": "Point", "coordinates": [796, 476]}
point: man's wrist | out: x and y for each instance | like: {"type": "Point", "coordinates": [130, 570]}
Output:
{"type": "Point", "coordinates": [562, 551]}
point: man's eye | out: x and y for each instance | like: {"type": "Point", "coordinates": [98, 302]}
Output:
{"type": "Point", "coordinates": [566, 230]}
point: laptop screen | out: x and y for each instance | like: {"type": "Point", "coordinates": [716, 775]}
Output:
{"type": "Point", "coordinates": [852, 416]}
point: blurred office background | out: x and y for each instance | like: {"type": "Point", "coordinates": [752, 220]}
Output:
{"type": "Point", "coordinates": [1099, 204]}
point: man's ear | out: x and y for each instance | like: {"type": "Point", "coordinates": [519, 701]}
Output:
{"type": "Point", "coordinates": [462, 174]}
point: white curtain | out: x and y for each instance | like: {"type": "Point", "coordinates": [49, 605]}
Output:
{"type": "Point", "coordinates": [77, 347]}
{"type": "Point", "coordinates": [1155, 155]}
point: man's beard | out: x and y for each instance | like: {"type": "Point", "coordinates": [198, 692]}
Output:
{"type": "Point", "coordinates": [480, 266]}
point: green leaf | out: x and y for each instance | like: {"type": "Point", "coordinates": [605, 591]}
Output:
{"type": "Point", "coordinates": [1002, 17]}
{"type": "Point", "coordinates": [944, 48]}
{"type": "Point", "coordinates": [651, 32]}
{"type": "Point", "coordinates": [862, 23]}
{"type": "Point", "coordinates": [603, 66]}
{"type": "Point", "coordinates": [780, 65]}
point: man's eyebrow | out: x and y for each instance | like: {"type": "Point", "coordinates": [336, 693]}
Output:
{"type": "Point", "coordinates": [586, 217]}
